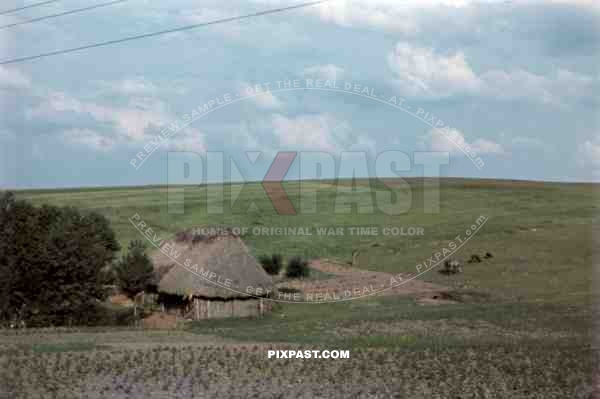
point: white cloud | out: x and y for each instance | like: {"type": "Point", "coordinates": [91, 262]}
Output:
{"type": "Point", "coordinates": [404, 16]}
{"type": "Point", "coordinates": [514, 84]}
{"type": "Point", "coordinates": [320, 132]}
{"type": "Point", "coordinates": [390, 15]}
{"type": "Point", "coordinates": [558, 88]}
{"type": "Point", "coordinates": [187, 139]}
{"type": "Point", "coordinates": [139, 86]}
{"type": "Point", "coordinates": [593, 4]}
{"type": "Point", "coordinates": [421, 72]}
{"type": "Point", "coordinates": [135, 86]}
{"type": "Point", "coordinates": [308, 131]}
{"type": "Point", "coordinates": [137, 123]}
{"type": "Point", "coordinates": [485, 146]}
{"type": "Point", "coordinates": [265, 100]}
{"type": "Point", "coordinates": [589, 154]}
{"type": "Point", "coordinates": [132, 125]}
{"type": "Point", "coordinates": [438, 142]}
{"type": "Point", "coordinates": [326, 72]}
{"type": "Point", "coordinates": [348, 139]}
{"type": "Point", "coordinates": [132, 122]}
{"type": "Point", "coordinates": [13, 79]}
{"type": "Point", "coordinates": [89, 138]}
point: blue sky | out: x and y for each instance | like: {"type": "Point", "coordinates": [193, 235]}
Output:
{"type": "Point", "coordinates": [517, 81]}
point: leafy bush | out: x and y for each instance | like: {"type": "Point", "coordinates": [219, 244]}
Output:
{"type": "Point", "coordinates": [272, 264]}
{"type": "Point", "coordinates": [53, 262]}
{"type": "Point", "coordinates": [134, 272]}
{"type": "Point", "coordinates": [297, 267]}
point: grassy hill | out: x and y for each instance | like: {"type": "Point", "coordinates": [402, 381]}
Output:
{"type": "Point", "coordinates": [519, 325]}
{"type": "Point", "coordinates": [539, 233]}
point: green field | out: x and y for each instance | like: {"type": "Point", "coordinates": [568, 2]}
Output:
{"type": "Point", "coordinates": [540, 235]}
{"type": "Point", "coordinates": [520, 326]}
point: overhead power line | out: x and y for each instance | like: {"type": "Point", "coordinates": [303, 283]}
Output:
{"type": "Point", "coordinates": [28, 6]}
{"type": "Point", "coordinates": [60, 14]}
{"type": "Point", "coordinates": [158, 33]}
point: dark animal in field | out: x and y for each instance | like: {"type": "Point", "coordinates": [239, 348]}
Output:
{"type": "Point", "coordinates": [451, 266]}
{"type": "Point", "coordinates": [488, 255]}
{"type": "Point", "coordinates": [474, 259]}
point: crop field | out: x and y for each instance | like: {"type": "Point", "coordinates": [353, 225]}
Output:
{"type": "Point", "coordinates": [518, 324]}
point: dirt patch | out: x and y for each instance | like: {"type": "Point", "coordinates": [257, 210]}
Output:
{"type": "Point", "coordinates": [160, 321]}
{"type": "Point", "coordinates": [348, 278]}
{"type": "Point", "coordinates": [121, 300]}
{"type": "Point", "coordinates": [504, 184]}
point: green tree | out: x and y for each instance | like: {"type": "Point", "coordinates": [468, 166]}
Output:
{"type": "Point", "coordinates": [52, 262]}
{"type": "Point", "coordinates": [134, 271]}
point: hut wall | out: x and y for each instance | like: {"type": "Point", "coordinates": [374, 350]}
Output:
{"type": "Point", "coordinates": [202, 308]}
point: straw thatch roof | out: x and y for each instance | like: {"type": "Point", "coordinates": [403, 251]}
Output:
{"type": "Point", "coordinates": [222, 259]}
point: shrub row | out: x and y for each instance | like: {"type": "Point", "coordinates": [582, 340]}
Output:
{"type": "Point", "coordinates": [297, 267]}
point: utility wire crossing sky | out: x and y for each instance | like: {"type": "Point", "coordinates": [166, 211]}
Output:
{"type": "Point", "coordinates": [60, 14]}
{"type": "Point", "coordinates": [28, 6]}
{"type": "Point", "coordinates": [163, 32]}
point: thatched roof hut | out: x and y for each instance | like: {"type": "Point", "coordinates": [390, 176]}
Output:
{"type": "Point", "coordinates": [219, 268]}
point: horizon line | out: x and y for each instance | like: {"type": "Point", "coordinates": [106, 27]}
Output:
{"type": "Point", "coordinates": [160, 185]}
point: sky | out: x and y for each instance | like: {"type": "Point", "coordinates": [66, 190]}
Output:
{"type": "Point", "coordinates": [515, 82]}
